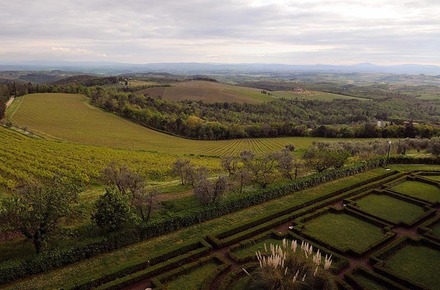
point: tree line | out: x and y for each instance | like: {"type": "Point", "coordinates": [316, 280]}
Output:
{"type": "Point", "coordinates": [403, 117]}
{"type": "Point", "coordinates": [282, 117]}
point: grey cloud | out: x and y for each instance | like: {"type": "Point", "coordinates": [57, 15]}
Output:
{"type": "Point", "coordinates": [139, 30]}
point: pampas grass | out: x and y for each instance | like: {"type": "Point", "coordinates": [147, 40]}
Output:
{"type": "Point", "coordinates": [288, 266]}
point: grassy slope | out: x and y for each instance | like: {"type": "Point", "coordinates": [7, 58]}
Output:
{"type": "Point", "coordinates": [209, 92]}
{"type": "Point", "coordinates": [71, 118]}
{"type": "Point", "coordinates": [313, 95]}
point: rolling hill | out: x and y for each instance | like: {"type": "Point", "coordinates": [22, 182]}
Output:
{"type": "Point", "coordinates": [71, 118]}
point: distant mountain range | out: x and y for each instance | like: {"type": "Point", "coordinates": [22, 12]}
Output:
{"type": "Point", "coordinates": [214, 68]}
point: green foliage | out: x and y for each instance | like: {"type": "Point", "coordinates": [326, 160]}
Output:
{"type": "Point", "coordinates": [112, 211]}
{"type": "Point", "coordinates": [35, 210]}
{"type": "Point", "coordinates": [321, 159]}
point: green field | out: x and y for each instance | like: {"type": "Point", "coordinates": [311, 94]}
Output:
{"type": "Point", "coordinates": [313, 95]}
{"type": "Point", "coordinates": [418, 264]}
{"type": "Point", "coordinates": [380, 204]}
{"type": "Point", "coordinates": [419, 190]}
{"type": "Point", "coordinates": [23, 157]}
{"type": "Point", "coordinates": [344, 231]}
{"type": "Point", "coordinates": [71, 118]}
{"type": "Point", "coordinates": [209, 92]}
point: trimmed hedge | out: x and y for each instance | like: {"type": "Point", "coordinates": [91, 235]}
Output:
{"type": "Point", "coordinates": [388, 234]}
{"type": "Point", "coordinates": [174, 258]}
{"type": "Point", "coordinates": [57, 258]}
{"type": "Point", "coordinates": [159, 282]}
{"type": "Point", "coordinates": [425, 229]}
{"type": "Point", "coordinates": [359, 270]}
{"type": "Point", "coordinates": [233, 276]}
{"type": "Point", "coordinates": [259, 225]}
{"type": "Point", "coordinates": [379, 258]}
{"type": "Point", "coordinates": [428, 210]}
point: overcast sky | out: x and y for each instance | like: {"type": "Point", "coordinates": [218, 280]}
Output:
{"type": "Point", "coordinates": [222, 31]}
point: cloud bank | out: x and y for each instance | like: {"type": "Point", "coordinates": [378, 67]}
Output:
{"type": "Point", "coordinates": [224, 31]}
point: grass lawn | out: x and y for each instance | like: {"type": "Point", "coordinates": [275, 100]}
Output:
{"type": "Point", "coordinates": [432, 177]}
{"type": "Point", "coordinates": [417, 264]}
{"type": "Point", "coordinates": [250, 249]}
{"type": "Point", "coordinates": [389, 208]}
{"type": "Point", "coordinates": [419, 190]}
{"type": "Point", "coordinates": [367, 282]}
{"type": "Point", "coordinates": [344, 231]}
{"type": "Point", "coordinates": [193, 279]}
{"type": "Point", "coordinates": [436, 229]}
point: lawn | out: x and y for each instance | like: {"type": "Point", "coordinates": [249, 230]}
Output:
{"type": "Point", "coordinates": [368, 282]}
{"type": "Point", "coordinates": [419, 190]}
{"type": "Point", "coordinates": [193, 279]}
{"type": "Point", "coordinates": [433, 177]}
{"type": "Point", "coordinates": [435, 228]}
{"type": "Point", "coordinates": [249, 250]}
{"type": "Point", "coordinates": [344, 231]}
{"type": "Point", "coordinates": [390, 208]}
{"type": "Point", "coordinates": [418, 264]}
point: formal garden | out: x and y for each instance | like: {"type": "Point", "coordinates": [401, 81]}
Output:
{"type": "Point", "coordinates": [381, 233]}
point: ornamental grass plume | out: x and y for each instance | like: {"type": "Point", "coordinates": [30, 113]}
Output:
{"type": "Point", "coordinates": [288, 266]}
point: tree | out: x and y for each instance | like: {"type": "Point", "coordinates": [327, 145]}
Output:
{"type": "Point", "coordinates": [131, 186]}
{"type": "Point", "coordinates": [209, 192]}
{"type": "Point", "coordinates": [321, 159]}
{"type": "Point", "coordinates": [434, 146]}
{"type": "Point", "coordinates": [229, 164]}
{"type": "Point", "coordinates": [35, 211]}
{"type": "Point", "coordinates": [262, 169]}
{"type": "Point", "coordinates": [112, 211]}
{"type": "Point", "coordinates": [123, 178]}
{"type": "Point", "coordinates": [285, 164]}
{"type": "Point", "coordinates": [183, 168]}
{"type": "Point", "coordinates": [145, 202]}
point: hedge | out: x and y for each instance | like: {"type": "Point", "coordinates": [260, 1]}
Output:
{"type": "Point", "coordinates": [174, 258]}
{"type": "Point", "coordinates": [386, 283]}
{"type": "Point", "coordinates": [388, 234]}
{"type": "Point", "coordinates": [158, 281]}
{"type": "Point", "coordinates": [259, 224]}
{"type": "Point", "coordinates": [379, 258]}
{"type": "Point", "coordinates": [57, 258]}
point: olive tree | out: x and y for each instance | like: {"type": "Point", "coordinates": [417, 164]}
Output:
{"type": "Point", "coordinates": [35, 211]}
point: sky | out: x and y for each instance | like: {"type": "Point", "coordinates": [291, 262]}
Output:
{"type": "Point", "coordinates": [383, 32]}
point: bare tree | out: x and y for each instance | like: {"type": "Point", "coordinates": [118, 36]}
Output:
{"type": "Point", "coordinates": [208, 192]}
{"type": "Point", "coordinates": [123, 178]}
{"type": "Point", "coordinates": [145, 202]}
{"type": "Point", "coordinates": [285, 164]}
{"type": "Point", "coordinates": [229, 164]}
{"type": "Point", "coordinates": [184, 169]}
